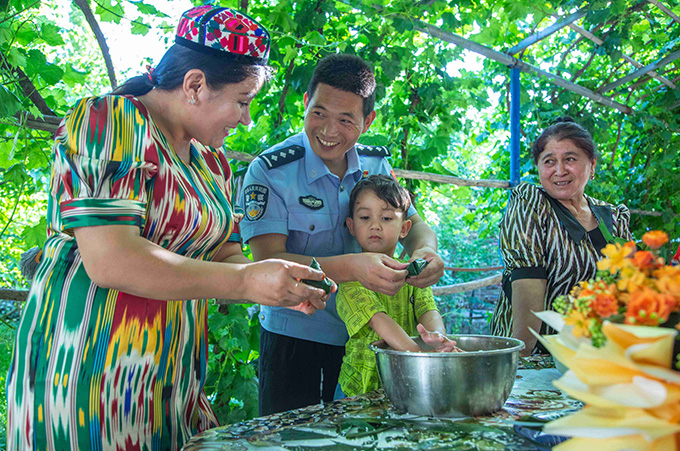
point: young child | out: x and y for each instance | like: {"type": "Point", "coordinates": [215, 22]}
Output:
{"type": "Point", "coordinates": [377, 207]}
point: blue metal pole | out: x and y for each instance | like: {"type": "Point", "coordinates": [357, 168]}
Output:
{"type": "Point", "coordinates": [514, 125]}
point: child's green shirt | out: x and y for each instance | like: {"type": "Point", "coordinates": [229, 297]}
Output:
{"type": "Point", "coordinates": [356, 306]}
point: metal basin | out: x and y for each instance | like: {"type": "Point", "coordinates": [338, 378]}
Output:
{"type": "Point", "coordinates": [470, 383]}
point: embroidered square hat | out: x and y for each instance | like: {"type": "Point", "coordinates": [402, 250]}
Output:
{"type": "Point", "coordinates": [223, 32]}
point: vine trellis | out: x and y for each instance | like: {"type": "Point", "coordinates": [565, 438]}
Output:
{"type": "Point", "coordinates": [654, 71]}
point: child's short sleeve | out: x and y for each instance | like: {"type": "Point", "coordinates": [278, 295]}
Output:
{"type": "Point", "coordinates": [356, 306]}
{"type": "Point", "coordinates": [104, 157]}
{"type": "Point", "coordinates": [424, 301]}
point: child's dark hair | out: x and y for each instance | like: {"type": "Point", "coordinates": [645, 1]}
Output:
{"type": "Point", "coordinates": [385, 188]}
{"type": "Point", "coordinates": [347, 73]}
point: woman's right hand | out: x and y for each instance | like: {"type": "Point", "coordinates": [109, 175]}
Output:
{"type": "Point", "coordinates": [277, 283]}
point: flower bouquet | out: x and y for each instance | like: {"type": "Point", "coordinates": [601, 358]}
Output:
{"type": "Point", "coordinates": [618, 356]}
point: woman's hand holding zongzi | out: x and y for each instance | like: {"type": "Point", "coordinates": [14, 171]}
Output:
{"type": "Point", "coordinates": [277, 282]}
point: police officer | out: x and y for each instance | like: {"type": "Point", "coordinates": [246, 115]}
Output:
{"type": "Point", "coordinates": [296, 200]}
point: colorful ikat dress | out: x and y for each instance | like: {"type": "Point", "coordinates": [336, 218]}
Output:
{"type": "Point", "coordinates": [99, 369]}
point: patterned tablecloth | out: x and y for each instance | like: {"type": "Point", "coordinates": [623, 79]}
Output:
{"type": "Point", "coordinates": [370, 422]}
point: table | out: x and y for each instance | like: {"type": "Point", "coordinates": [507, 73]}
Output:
{"type": "Point", "coordinates": [370, 422]}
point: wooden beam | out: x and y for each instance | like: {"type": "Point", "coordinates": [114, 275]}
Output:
{"type": "Point", "coordinates": [645, 212]}
{"type": "Point", "coordinates": [588, 35]}
{"type": "Point", "coordinates": [467, 286]}
{"type": "Point", "coordinates": [514, 62]}
{"type": "Point", "coordinates": [417, 175]}
{"type": "Point", "coordinates": [8, 294]}
{"type": "Point", "coordinates": [640, 72]}
{"type": "Point", "coordinates": [663, 8]}
{"type": "Point", "coordinates": [536, 37]}
{"type": "Point", "coordinates": [484, 269]}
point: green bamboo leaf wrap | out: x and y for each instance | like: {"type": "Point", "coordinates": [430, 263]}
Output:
{"type": "Point", "coordinates": [326, 284]}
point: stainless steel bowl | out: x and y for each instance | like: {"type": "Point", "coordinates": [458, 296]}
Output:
{"type": "Point", "coordinates": [470, 383]}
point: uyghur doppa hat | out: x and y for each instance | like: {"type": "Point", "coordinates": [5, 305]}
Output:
{"type": "Point", "coordinates": [223, 32]}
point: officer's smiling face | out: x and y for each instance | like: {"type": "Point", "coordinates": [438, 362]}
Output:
{"type": "Point", "coordinates": [334, 120]}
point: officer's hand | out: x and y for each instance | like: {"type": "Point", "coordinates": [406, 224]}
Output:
{"type": "Point", "coordinates": [378, 272]}
{"type": "Point", "coordinates": [307, 308]}
{"type": "Point", "coordinates": [431, 273]}
{"type": "Point", "coordinates": [277, 283]}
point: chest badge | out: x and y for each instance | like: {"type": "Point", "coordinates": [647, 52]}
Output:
{"type": "Point", "coordinates": [311, 202]}
{"type": "Point", "coordinates": [255, 200]}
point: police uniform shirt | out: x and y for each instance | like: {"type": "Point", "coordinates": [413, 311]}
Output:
{"type": "Point", "coordinates": [289, 190]}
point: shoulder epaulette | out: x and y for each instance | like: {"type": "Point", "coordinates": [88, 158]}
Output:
{"type": "Point", "coordinates": [282, 156]}
{"type": "Point", "coordinates": [373, 151]}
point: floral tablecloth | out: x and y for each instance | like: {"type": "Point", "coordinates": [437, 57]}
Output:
{"type": "Point", "coordinates": [370, 422]}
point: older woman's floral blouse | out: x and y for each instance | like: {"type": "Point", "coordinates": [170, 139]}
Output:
{"type": "Point", "coordinates": [97, 368]}
{"type": "Point", "coordinates": [541, 239]}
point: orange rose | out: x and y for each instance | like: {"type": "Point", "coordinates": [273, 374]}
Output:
{"type": "Point", "coordinates": [643, 259]}
{"type": "Point", "coordinates": [668, 281]}
{"type": "Point", "coordinates": [605, 305]}
{"type": "Point", "coordinates": [655, 239]}
{"type": "Point", "coordinates": [648, 308]}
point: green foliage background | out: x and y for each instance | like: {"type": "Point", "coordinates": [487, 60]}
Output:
{"type": "Point", "coordinates": [436, 111]}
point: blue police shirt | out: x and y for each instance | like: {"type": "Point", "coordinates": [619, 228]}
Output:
{"type": "Point", "coordinates": [289, 190]}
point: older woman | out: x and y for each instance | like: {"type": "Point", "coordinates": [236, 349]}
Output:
{"type": "Point", "coordinates": [551, 236]}
{"type": "Point", "coordinates": [111, 351]}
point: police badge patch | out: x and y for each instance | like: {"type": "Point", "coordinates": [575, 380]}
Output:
{"type": "Point", "coordinates": [311, 202]}
{"type": "Point", "coordinates": [255, 199]}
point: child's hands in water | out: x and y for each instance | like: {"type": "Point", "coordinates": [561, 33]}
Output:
{"type": "Point", "coordinates": [437, 341]}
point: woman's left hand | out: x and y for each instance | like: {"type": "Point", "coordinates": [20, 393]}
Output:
{"type": "Point", "coordinates": [307, 308]}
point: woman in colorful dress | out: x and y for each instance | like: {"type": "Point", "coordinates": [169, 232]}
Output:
{"type": "Point", "coordinates": [551, 236]}
{"type": "Point", "coordinates": [111, 351]}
